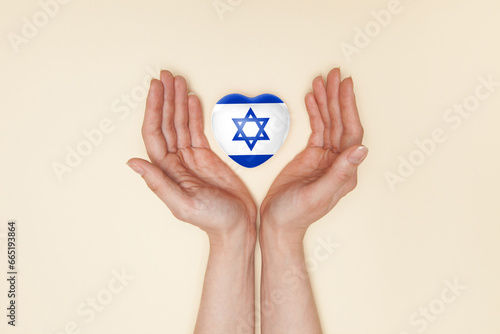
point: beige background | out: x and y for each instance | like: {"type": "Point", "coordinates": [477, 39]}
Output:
{"type": "Point", "coordinates": [394, 250]}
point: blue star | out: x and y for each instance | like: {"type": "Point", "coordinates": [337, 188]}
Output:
{"type": "Point", "coordinates": [260, 122]}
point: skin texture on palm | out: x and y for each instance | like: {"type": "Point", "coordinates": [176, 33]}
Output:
{"type": "Point", "coordinates": [325, 171]}
{"type": "Point", "coordinates": [184, 172]}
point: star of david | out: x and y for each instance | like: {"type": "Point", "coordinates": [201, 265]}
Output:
{"type": "Point", "coordinates": [261, 133]}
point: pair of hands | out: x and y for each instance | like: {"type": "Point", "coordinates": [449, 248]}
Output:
{"type": "Point", "coordinates": [199, 188]}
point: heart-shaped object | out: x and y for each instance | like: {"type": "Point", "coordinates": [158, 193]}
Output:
{"type": "Point", "coordinates": [250, 129]}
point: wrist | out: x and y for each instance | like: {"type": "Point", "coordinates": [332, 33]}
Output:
{"type": "Point", "coordinates": [276, 237]}
{"type": "Point", "coordinates": [238, 239]}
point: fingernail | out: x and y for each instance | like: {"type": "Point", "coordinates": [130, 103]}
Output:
{"type": "Point", "coordinates": [358, 155]}
{"type": "Point", "coordinates": [136, 168]}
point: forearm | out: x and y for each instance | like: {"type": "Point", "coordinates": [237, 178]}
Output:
{"type": "Point", "coordinates": [228, 298]}
{"type": "Point", "coordinates": [287, 302]}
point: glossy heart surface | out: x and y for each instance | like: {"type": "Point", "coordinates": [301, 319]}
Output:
{"type": "Point", "coordinates": [250, 130]}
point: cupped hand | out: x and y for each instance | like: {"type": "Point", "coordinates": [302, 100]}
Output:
{"type": "Point", "coordinates": [325, 171]}
{"type": "Point", "coordinates": [184, 172]}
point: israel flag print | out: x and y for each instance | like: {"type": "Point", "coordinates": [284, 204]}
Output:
{"type": "Point", "coordinates": [250, 130]}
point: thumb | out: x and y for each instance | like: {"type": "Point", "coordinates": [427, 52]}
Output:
{"type": "Point", "coordinates": [162, 185]}
{"type": "Point", "coordinates": [345, 166]}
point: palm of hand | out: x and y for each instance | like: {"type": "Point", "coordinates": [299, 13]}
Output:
{"type": "Point", "coordinates": [200, 189]}
{"type": "Point", "coordinates": [318, 177]}
{"type": "Point", "coordinates": [215, 198]}
{"type": "Point", "coordinates": [298, 197]}
{"type": "Point", "coordinates": [184, 172]}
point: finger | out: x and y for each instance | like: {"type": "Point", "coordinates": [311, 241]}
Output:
{"type": "Point", "coordinates": [152, 134]}
{"type": "Point", "coordinates": [332, 93]}
{"type": "Point", "coordinates": [169, 111]}
{"type": "Point", "coordinates": [352, 130]}
{"type": "Point", "coordinates": [198, 138]}
{"type": "Point", "coordinates": [163, 186]}
{"type": "Point", "coordinates": [344, 167]}
{"type": "Point", "coordinates": [317, 127]}
{"type": "Point", "coordinates": [181, 113]}
{"type": "Point", "coordinates": [320, 96]}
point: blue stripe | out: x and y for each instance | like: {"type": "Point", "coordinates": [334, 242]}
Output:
{"type": "Point", "coordinates": [251, 161]}
{"type": "Point", "coordinates": [242, 99]}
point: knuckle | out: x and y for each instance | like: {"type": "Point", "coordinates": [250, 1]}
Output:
{"type": "Point", "coordinates": [361, 131]}
{"type": "Point", "coordinates": [153, 185]}
{"type": "Point", "coordinates": [344, 176]}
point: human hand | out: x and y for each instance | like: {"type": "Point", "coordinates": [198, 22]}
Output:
{"type": "Point", "coordinates": [325, 171]}
{"type": "Point", "coordinates": [184, 172]}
